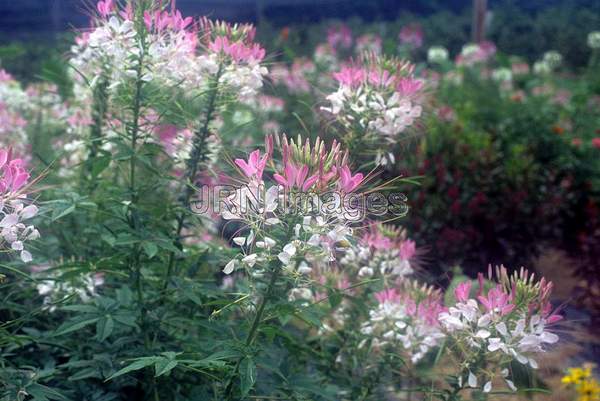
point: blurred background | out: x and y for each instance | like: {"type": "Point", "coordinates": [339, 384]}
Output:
{"type": "Point", "coordinates": [509, 168]}
{"type": "Point", "coordinates": [525, 28]}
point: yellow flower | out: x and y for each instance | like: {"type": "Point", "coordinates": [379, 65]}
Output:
{"type": "Point", "coordinates": [589, 390]}
{"type": "Point", "coordinates": [577, 375]}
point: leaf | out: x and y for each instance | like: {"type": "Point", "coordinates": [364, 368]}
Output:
{"type": "Point", "coordinates": [71, 326]}
{"type": "Point", "coordinates": [216, 358]}
{"type": "Point", "coordinates": [150, 248]}
{"type": "Point", "coordinates": [40, 392]}
{"type": "Point", "coordinates": [86, 373]}
{"type": "Point", "coordinates": [100, 164]}
{"type": "Point", "coordinates": [309, 317]}
{"type": "Point", "coordinates": [104, 327]}
{"type": "Point", "coordinates": [80, 308]}
{"type": "Point", "coordinates": [17, 272]}
{"type": "Point", "coordinates": [58, 213]}
{"type": "Point", "coordinates": [125, 319]}
{"type": "Point", "coordinates": [164, 366]}
{"type": "Point", "coordinates": [334, 297]}
{"type": "Point", "coordinates": [140, 363]}
{"type": "Point", "coordinates": [247, 375]}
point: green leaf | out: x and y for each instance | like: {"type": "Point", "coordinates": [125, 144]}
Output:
{"type": "Point", "coordinates": [104, 327]}
{"type": "Point", "coordinates": [335, 298]}
{"type": "Point", "coordinates": [80, 308]}
{"type": "Point", "coordinates": [40, 392]}
{"type": "Point", "coordinates": [139, 363]}
{"type": "Point", "coordinates": [309, 317]}
{"type": "Point", "coordinates": [247, 375]}
{"type": "Point", "coordinates": [58, 213]}
{"type": "Point", "coordinates": [86, 373]}
{"type": "Point", "coordinates": [150, 248]}
{"type": "Point", "coordinates": [164, 366]}
{"type": "Point", "coordinates": [71, 326]}
{"type": "Point", "coordinates": [100, 164]}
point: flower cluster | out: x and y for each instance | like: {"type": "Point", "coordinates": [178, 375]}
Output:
{"type": "Point", "coordinates": [235, 57]}
{"type": "Point", "coordinates": [586, 386]}
{"type": "Point", "coordinates": [406, 318]}
{"type": "Point", "coordinates": [476, 53]}
{"type": "Point", "coordinates": [296, 77]}
{"type": "Point", "coordinates": [287, 221]}
{"type": "Point", "coordinates": [382, 251]}
{"type": "Point", "coordinates": [549, 62]}
{"type": "Point", "coordinates": [13, 206]}
{"type": "Point", "coordinates": [168, 45]}
{"type": "Point", "coordinates": [509, 322]}
{"type": "Point", "coordinates": [593, 40]}
{"type": "Point", "coordinates": [368, 43]}
{"type": "Point", "coordinates": [437, 55]}
{"type": "Point", "coordinates": [13, 101]}
{"type": "Point", "coordinates": [382, 96]}
{"type": "Point", "coordinates": [411, 35]}
{"type": "Point", "coordinates": [115, 46]}
{"type": "Point", "coordinates": [339, 37]}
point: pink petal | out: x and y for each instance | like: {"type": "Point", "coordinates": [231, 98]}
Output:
{"type": "Point", "coordinates": [310, 182]}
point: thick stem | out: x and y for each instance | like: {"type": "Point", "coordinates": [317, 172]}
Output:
{"type": "Point", "coordinates": [134, 224]}
{"type": "Point", "coordinates": [197, 157]}
{"type": "Point", "coordinates": [254, 328]}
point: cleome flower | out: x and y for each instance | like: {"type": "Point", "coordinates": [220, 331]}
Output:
{"type": "Point", "coordinates": [383, 251]}
{"type": "Point", "coordinates": [13, 104]}
{"type": "Point", "coordinates": [288, 221]}
{"type": "Point", "coordinates": [14, 208]}
{"type": "Point", "coordinates": [475, 54]}
{"type": "Point", "coordinates": [171, 52]}
{"type": "Point", "coordinates": [380, 96]}
{"type": "Point", "coordinates": [232, 51]}
{"type": "Point", "coordinates": [509, 322]}
{"type": "Point", "coordinates": [406, 319]}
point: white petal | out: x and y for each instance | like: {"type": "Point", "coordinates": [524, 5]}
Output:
{"type": "Point", "coordinates": [483, 334]}
{"type": "Point", "coordinates": [488, 387]}
{"type": "Point", "coordinates": [501, 327]}
{"type": "Point", "coordinates": [250, 260]}
{"type": "Point", "coordinates": [29, 212]}
{"type": "Point", "coordinates": [290, 249]}
{"type": "Point", "coordinates": [9, 220]}
{"type": "Point", "coordinates": [284, 257]}
{"type": "Point", "coordinates": [304, 268]}
{"type": "Point", "coordinates": [26, 256]}
{"type": "Point", "coordinates": [240, 240]}
{"type": "Point", "coordinates": [472, 380]}
{"type": "Point", "coordinates": [533, 363]}
{"type": "Point", "coordinates": [229, 267]}
{"type": "Point", "coordinates": [549, 338]}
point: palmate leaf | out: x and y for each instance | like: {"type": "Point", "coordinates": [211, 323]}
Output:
{"type": "Point", "coordinates": [167, 363]}
{"type": "Point", "coordinates": [163, 364]}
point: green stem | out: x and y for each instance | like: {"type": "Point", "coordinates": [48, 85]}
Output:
{"type": "Point", "coordinates": [134, 223]}
{"type": "Point", "coordinates": [197, 157]}
{"type": "Point", "coordinates": [254, 328]}
{"type": "Point", "coordinates": [99, 109]}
